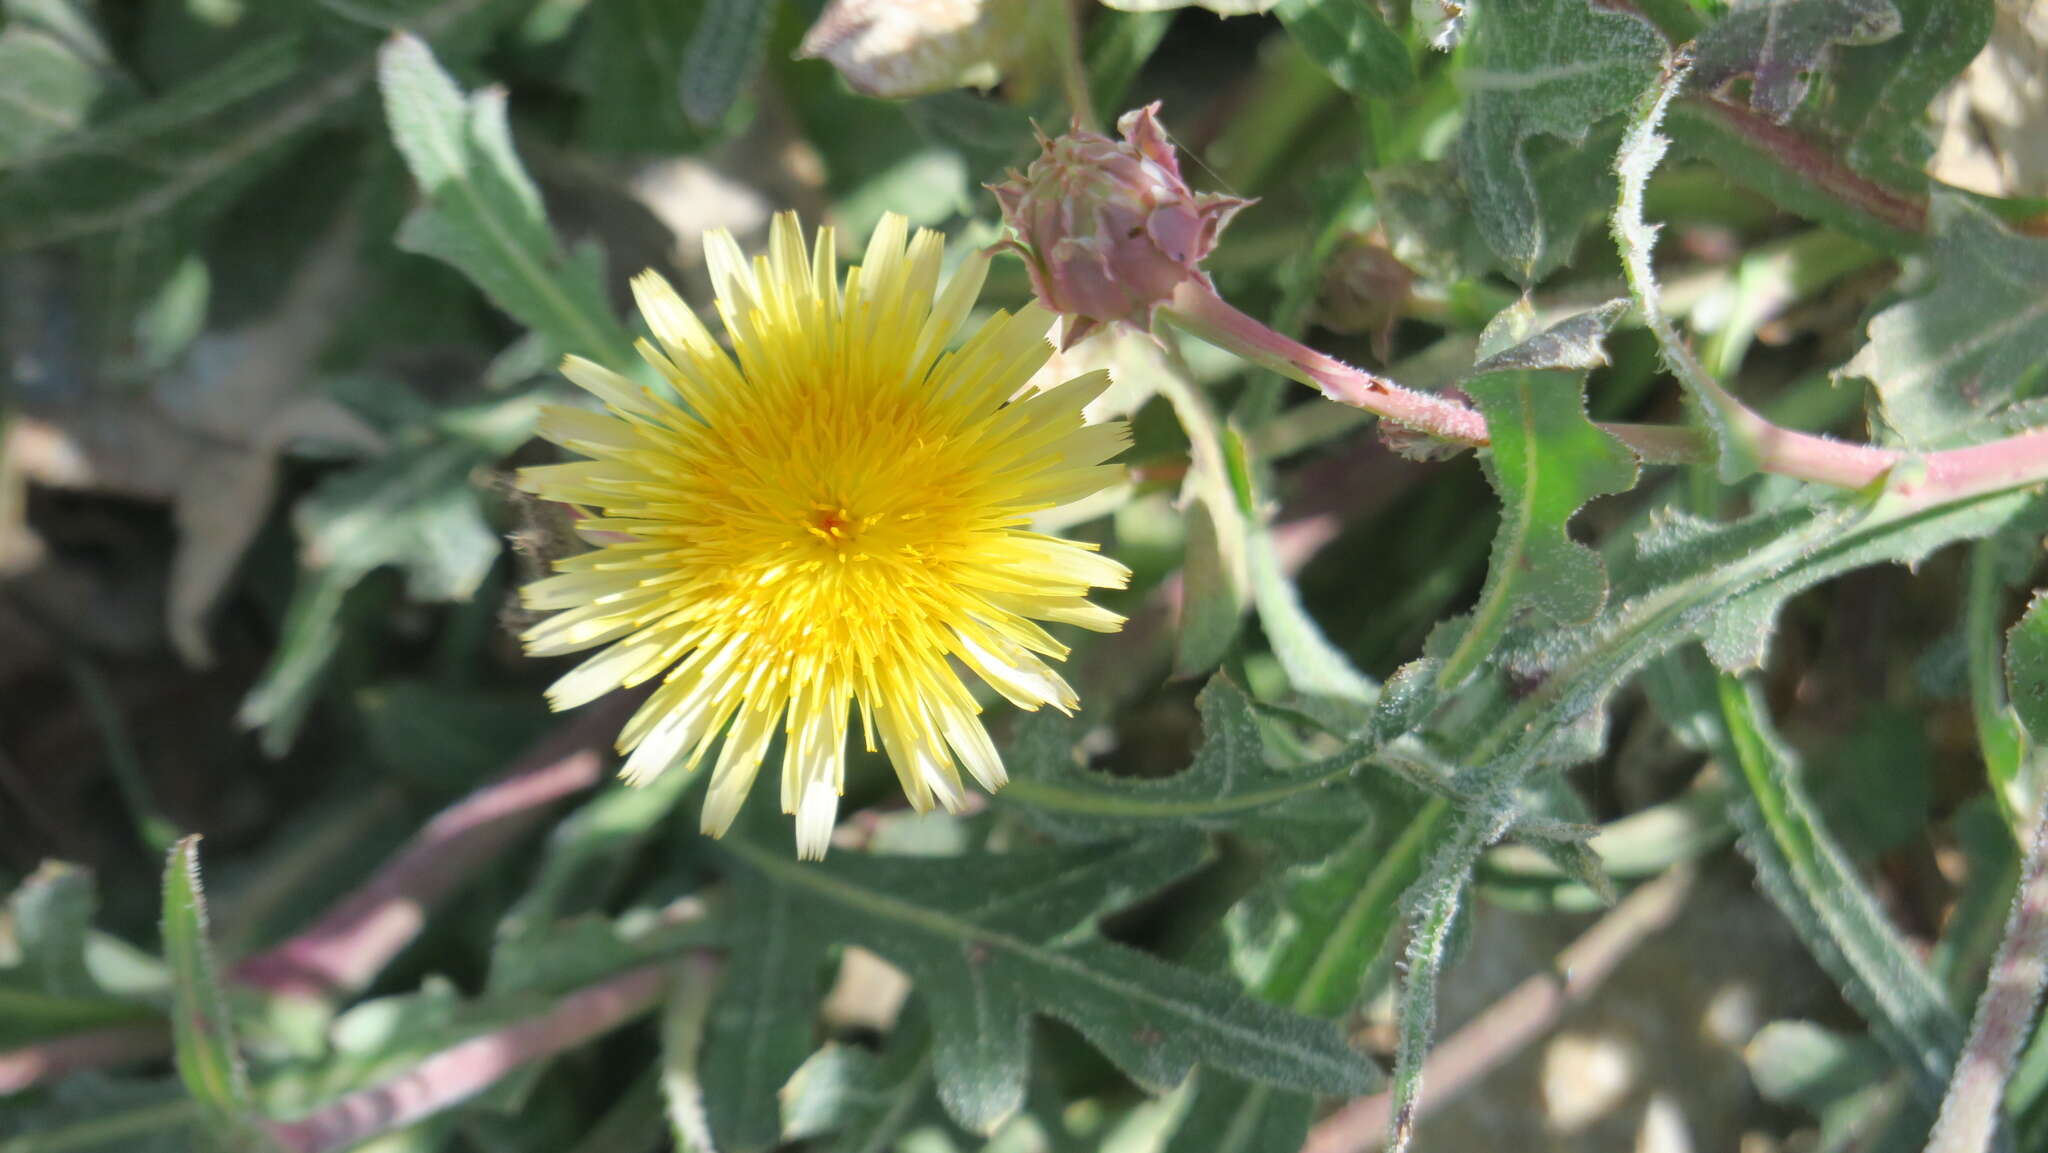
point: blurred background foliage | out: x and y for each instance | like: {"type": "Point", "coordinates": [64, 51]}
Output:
{"type": "Point", "coordinates": [282, 284]}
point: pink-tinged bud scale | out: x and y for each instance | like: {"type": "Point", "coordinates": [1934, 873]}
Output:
{"type": "Point", "coordinates": [1108, 228]}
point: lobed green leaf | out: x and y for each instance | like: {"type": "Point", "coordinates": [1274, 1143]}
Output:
{"type": "Point", "coordinates": [1534, 68]}
{"type": "Point", "coordinates": [1948, 362]}
{"type": "Point", "coordinates": [984, 958]}
{"type": "Point", "coordinates": [1231, 784]}
{"type": "Point", "coordinates": [482, 214]}
{"type": "Point", "coordinates": [1353, 44]}
{"type": "Point", "coordinates": [1547, 460]}
{"type": "Point", "coordinates": [1780, 44]}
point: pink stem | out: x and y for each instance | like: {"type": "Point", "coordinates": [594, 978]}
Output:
{"type": "Point", "coordinates": [462, 1071]}
{"type": "Point", "coordinates": [1197, 307]}
{"type": "Point", "coordinates": [1947, 476]}
{"type": "Point", "coordinates": [91, 1049]}
{"type": "Point", "coordinates": [346, 949]}
{"type": "Point", "coordinates": [1970, 1111]}
{"type": "Point", "coordinates": [1999, 464]}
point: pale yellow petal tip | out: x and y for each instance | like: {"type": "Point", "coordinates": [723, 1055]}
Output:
{"type": "Point", "coordinates": [816, 814]}
{"type": "Point", "coordinates": [651, 292]}
{"type": "Point", "coordinates": [786, 229]}
{"type": "Point", "coordinates": [721, 806]}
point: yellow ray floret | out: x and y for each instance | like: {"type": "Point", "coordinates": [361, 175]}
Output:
{"type": "Point", "coordinates": [829, 518]}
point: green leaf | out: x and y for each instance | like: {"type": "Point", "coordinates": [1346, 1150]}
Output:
{"type": "Point", "coordinates": [1235, 1117]}
{"type": "Point", "coordinates": [1315, 938]}
{"type": "Point", "coordinates": [1546, 460]}
{"type": "Point", "coordinates": [51, 912]}
{"type": "Point", "coordinates": [1801, 1063]}
{"type": "Point", "coordinates": [482, 214]}
{"type": "Point", "coordinates": [579, 950]}
{"type": "Point", "coordinates": [724, 54]}
{"type": "Point", "coordinates": [1995, 565]}
{"type": "Point", "coordinates": [1971, 347]}
{"type": "Point", "coordinates": [1799, 173]}
{"type": "Point", "coordinates": [1875, 784]}
{"type": "Point", "coordinates": [306, 645]}
{"type": "Point", "coordinates": [446, 737]}
{"type": "Point", "coordinates": [988, 133]}
{"type": "Point", "coordinates": [760, 1026]}
{"type": "Point", "coordinates": [1433, 902]}
{"type": "Point", "coordinates": [1811, 880]}
{"type": "Point", "coordinates": [1314, 666]}
{"type": "Point", "coordinates": [1779, 43]}
{"type": "Point", "coordinates": [91, 1113]}
{"type": "Point", "coordinates": [50, 989]}
{"type": "Point", "coordinates": [865, 1101]}
{"type": "Point", "coordinates": [1352, 42]}
{"type": "Point", "coordinates": [201, 1030]}
{"type": "Point", "coordinates": [2026, 669]}
{"type": "Point", "coordinates": [1213, 587]}
{"type": "Point", "coordinates": [29, 1016]}
{"type": "Point", "coordinates": [415, 509]}
{"type": "Point", "coordinates": [189, 151]}
{"type": "Point", "coordinates": [632, 1123]}
{"type": "Point", "coordinates": [1876, 102]}
{"type": "Point", "coordinates": [1231, 784]}
{"type": "Point", "coordinates": [1540, 68]}
{"type": "Point", "coordinates": [47, 90]}
{"type": "Point", "coordinates": [586, 856]}
{"type": "Point", "coordinates": [984, 957]}
{"type": "Point", "coordinates": [627, 62]}
{"type": "Point", "coordinates": [1217, 584]}
{"type": "Point", "coordinates": [1693, 580]}
{"type": "Point", "coordinates": [1797, 547]}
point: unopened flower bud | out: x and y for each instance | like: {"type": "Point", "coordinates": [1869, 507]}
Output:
{"type": "Point", "coordinates": [1109, 228]}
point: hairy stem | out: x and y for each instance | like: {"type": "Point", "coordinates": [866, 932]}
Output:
{"type": "Point", "coordinates": [1940, 477]}
{"type": "Point", "coordinates": [1970, 1111]}
{"type": "Point", "coordinates": [1197, 308]}
{"type": "Point", "coordinates": [1516, 1020]}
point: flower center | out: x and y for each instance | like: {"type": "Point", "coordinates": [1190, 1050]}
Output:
{"type": "Point", "coordinates": [833, 525]}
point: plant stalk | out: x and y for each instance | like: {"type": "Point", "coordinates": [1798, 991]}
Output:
{"type": "Point", "coordinates": [1938, 478]}
{"type": "Point", "coordinates": [347, 947]}
{"type": "Point", "coordinates": [461, 1071]}
{"type": "Point", "coordinates": [1066, 34]}
{"type": "Point", "coordinates": [1970, 1111]}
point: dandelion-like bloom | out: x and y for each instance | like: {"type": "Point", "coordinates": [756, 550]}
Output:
{"type": "Point", "coordinates": [832, 519]}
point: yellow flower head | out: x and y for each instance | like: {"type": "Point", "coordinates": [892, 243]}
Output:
{"type": "Point", "coordinates": [834, 516]}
